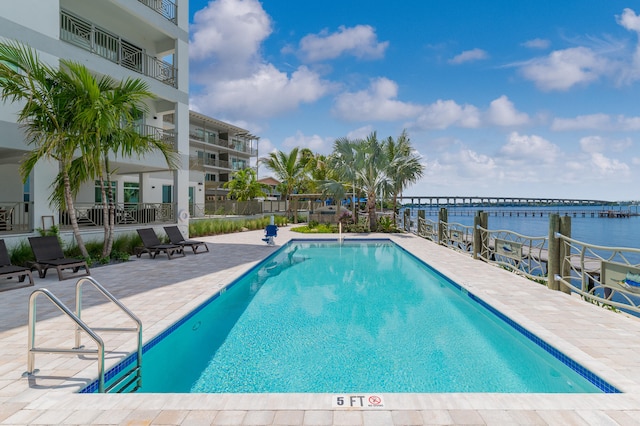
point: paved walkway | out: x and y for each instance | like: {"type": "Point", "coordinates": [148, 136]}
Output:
{"type": "Point", "coordinates": [161, 291]}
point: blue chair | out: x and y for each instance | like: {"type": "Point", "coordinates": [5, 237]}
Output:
{"type": "Point", "coordinates": [270, 232]}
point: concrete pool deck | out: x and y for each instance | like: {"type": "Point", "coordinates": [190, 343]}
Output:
{"type": "Point", "coordinates": [160, 291]}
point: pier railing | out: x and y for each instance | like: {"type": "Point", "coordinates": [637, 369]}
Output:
{"type": "Point", "coordinates": [457, 236]}
{"type": "Point", "coordinates": [522, 254]}
{"type": "Point", "coordinates": [603, 275]}
{"type": "Point", "coordinates": [607, 276]}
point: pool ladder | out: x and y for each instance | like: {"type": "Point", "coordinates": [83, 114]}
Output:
{"type": "Point", "coordinates": [127, 378]}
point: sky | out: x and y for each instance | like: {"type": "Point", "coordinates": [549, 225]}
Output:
{"type": "Point", "coordinates": [527, 98]}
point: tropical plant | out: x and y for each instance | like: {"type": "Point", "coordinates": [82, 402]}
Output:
{"type": "Point", "coordinates": [289, 170]}
{"type": "Point", "coordinates": [107, 116]}
{"type": "Point", "coordinates": [244, 186]}
{"type": "Point", "coordinates": [47, 114]}
{"type": "Point", "coordinates": [78, 120]}
{"type": "Point", "coordinates": [404, 165]}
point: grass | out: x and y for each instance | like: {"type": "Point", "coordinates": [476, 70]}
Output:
{"type": "Point", "coordinates": [204, 227]}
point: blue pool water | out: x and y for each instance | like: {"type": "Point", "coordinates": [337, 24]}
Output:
{"type": "Point", "coordinates": [360, 316]}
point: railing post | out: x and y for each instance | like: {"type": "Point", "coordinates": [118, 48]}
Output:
{"type": "Point", "coordinates": [421, 215]}
{"type": "Point", "coordinates": [484, 235]}
{"type": "Point", "coordinates": [407, 220]}
{"type": "Point", "coordinates": [553, 254]}
{"type": "Point", "coordinates": [442, 229]}
{"type": "Point", "coordinates": [564, 267]}
{"type": "Point", "coordinates": [477, 238]}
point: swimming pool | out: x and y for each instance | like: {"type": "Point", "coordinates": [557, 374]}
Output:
{"type": "Point", "coordinates": [360, 316]}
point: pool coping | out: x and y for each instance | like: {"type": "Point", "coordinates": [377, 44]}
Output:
{"type": "Point", "coordinates": [602, 341]}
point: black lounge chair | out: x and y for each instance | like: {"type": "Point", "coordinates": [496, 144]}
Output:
{"type": "Point", "coordinates": [7, 270]}
{"type": "Point", "coordinates": [48, 253]}
{"type": "Point", "coordinates": [176, 237]}
{"type": "Point", "coordinates": [152, 245]}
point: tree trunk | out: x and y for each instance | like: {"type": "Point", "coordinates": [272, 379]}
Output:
{"type": "Point", "coordinates": [371, 208]}
{"type": "Point", "coordinates": [72, 215]}
{"type": "Point", "coordinates": [105, 214]}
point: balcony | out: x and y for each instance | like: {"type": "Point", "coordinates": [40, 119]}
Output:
{"type": "Point", "coordinates": [167, 136]}
{"type": "Point", "coordinates": [88, 36]}
{"type": "Point", "coordinates": [166, 8]}
{"type": "Point", "coordinates": [210, 138]}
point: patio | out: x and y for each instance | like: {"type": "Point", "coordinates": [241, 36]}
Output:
{"type": "Point", "coordinates": [160, 292]}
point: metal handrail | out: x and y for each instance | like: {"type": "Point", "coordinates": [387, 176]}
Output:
{"type": "Point", "coordinates": [105, 293]}
{"type": "Point", "coordinates": [32, 350]}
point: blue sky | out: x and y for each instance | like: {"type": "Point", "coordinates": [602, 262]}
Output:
{"type": "Point", "coordinates": [536, 98]}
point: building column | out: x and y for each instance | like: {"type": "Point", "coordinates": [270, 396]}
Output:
{"type": "Point", "coordinates": [43, 174]}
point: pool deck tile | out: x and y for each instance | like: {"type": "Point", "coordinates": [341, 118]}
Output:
{"type": "Point", "coordinates": [160, 291]}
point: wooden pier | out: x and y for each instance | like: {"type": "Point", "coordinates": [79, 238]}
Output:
{"type": "Point", "coordinates": [532, 213]}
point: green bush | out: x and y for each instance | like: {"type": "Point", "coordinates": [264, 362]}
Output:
{"type": "Point", "coordinates": [323, 228]}
{"type": "Point", "coordinates": [21, 254]}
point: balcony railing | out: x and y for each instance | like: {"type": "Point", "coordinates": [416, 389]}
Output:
{"type": "Point", "coordinates": [211, 139]}
{"type": "Point", "coordinates": [15, 216]}
{"type": "Point", "coordinates": [167, 136]}
{"type": "Point", "coordinates": [89, 37]}
{"type": "Point", "coordinates": [166, 8]}
{"type": "Point", "coordinates": [91, 214]}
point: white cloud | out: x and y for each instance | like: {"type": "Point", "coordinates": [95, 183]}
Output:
{"type": "Point", "coordinates": [361, 132]}
{"type": "Point", "coordinates": [592, 144]}
{"type": "Point", "coordinates": [537, 43]}
{"type": "Point", "coordinates": [267, 92]}
{"type": "Point", "coordinates": [377, 102]}
{"type": "Point", "coordinates": [233, 79]}
{"type": "Point", "coordinates": [315, 143]}
{"type": "Point", "coordinates": [582, 122]}
{"type": "Point", "coordinates": [602, 165]}
{"type": "Point", "coordinates": [563, 69]}
{"type": "Point", "coordinates": [229, 31]}
{"type": "Point", "coordinates": [629, 20]}
{"type": "Point", "coordinates": [600, 121]}
{"type": "Point", "coordinates": [502, 113]}
{"type": "Point", "coordinates": [469, 56]}
{"type": "Point", "coordinates": [360, 41]}
{"type": "Point", "coordinates": [529, 149]}
{"type": "Point", "coordinates": [444, 114]}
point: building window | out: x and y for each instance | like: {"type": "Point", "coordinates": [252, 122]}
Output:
{"type": "Point", "coordinates": [131, 192]}
{"type": "Point", "coordinates": [210, 177]}
{"type": "Point", "coordinates": [167, 196]}
{"type": "Point", "coordinates": [98, 192]}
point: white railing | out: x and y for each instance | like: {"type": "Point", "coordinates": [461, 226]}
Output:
{"type": "Point", "coordinates": [88, 36]}
{"type": "Point", "coordinates": [603, 275]}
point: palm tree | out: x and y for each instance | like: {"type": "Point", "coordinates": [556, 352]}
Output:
{"type": "Point", "coordinates": [342, 162]}
{"type": "Point", "coordinates": [404, 165]}
{"type": "Point", "coordinates": [362, 163]}
{"type": "Point", "coordinates": [106, 116]}
{"type": "Point", "coordinates": [244, 185]}
{"type": "Point", "coordinates": [46, 115]}
{"type": "Point", "coordinates": [77, 120]}
{"type": "Point", "coordinates": [289, 169]}
{"type": "Point", "coordinates": [371, 172]}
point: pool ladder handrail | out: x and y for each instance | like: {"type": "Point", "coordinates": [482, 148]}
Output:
{"type": "Point", "coordinates": [137, 329]}
{"type": "Point", "coordinates": [82, 326]}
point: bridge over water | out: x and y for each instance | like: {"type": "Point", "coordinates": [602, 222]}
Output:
{"type": "Point", "coordinates": [476, 201]}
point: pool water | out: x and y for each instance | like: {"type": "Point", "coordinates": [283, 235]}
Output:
{"type": "Point", "coordinates": [360, 316]}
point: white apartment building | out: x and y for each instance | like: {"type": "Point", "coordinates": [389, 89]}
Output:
{"type": "Point", "coordinates": [146, 39]}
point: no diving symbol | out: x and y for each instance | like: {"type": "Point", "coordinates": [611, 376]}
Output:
{"type": "Point", "coordinates": [375, 400]}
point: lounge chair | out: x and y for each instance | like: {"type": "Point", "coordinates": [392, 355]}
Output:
{"type": "Point", "coordinates": [176, 237]}
{"type": "Point", "coordinates": [48, 253]}
{"type": "Point", "coordinates": [7, 270]}
{"type": "Point", "coordinates": [270, 232]}
{"type": "Point", "coordinates": [152, 245]}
